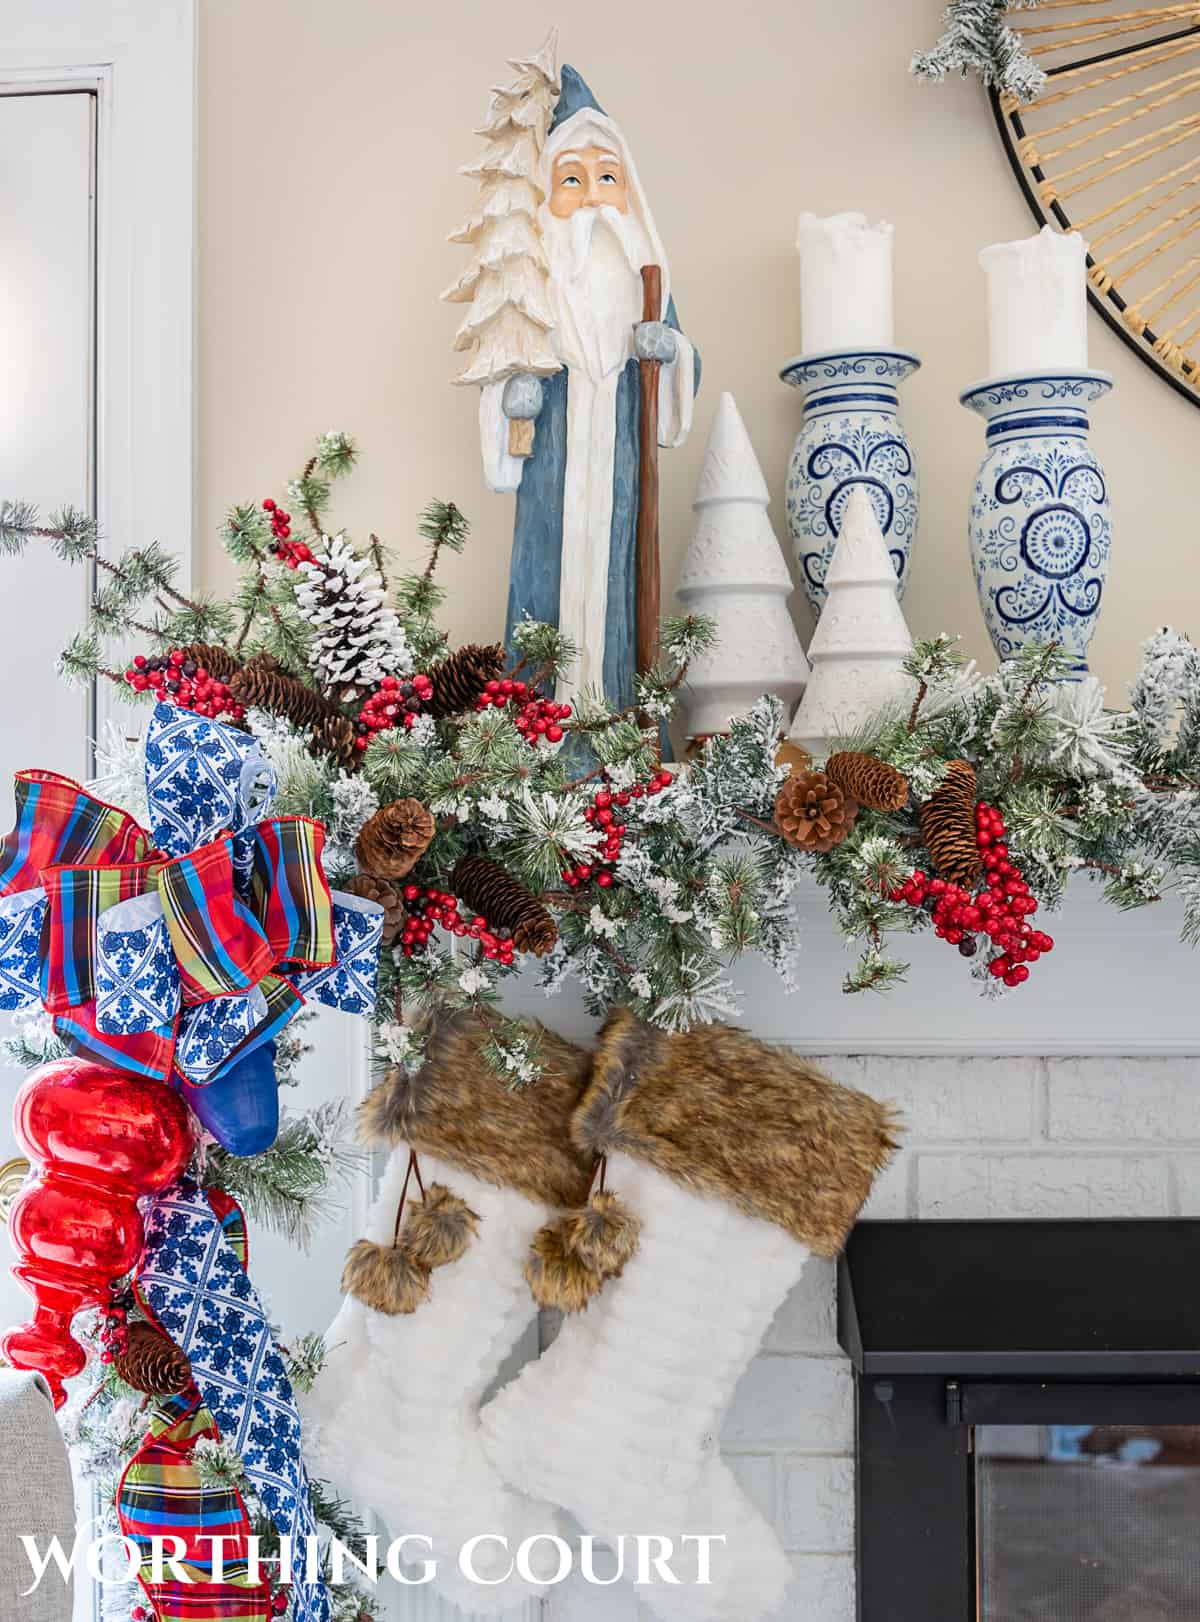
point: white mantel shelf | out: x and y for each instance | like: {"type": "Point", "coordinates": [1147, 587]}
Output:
{"type": "Point", "coordinates": [1116, 983]}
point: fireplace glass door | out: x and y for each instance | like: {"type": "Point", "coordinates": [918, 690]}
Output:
{"type": "Point", "coordinates": [1087, 1523]}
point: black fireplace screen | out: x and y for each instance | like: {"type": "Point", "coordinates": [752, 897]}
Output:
{"type": "Point", "coordinates": [1087, 1523]}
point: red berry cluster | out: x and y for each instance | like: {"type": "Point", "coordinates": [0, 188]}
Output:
{"type": "Point", "coordinates": [175, 679]}
{"type": "Point", "coordinates": [603, 814]}
{"type": "Point", "coordinates": [293, 553]}
{"type": "Point", "coordinates": [396, 702]}
{"type": "Point", "coordinates": [114, 1333]}
{"type": "Point", "coordinates": [427, 908]}
{"type": "Point", "coordinates": [1000, 909]}
{"type": "Point", "coordinates": [537, 718]}
{"type": "Point", "coordinates": [280, 1601]}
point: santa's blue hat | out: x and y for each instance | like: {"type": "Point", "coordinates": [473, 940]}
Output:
{"type": "Point", "coordinates": [575, 97]}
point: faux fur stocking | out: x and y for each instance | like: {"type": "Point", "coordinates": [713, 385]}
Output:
{"type": "Point", "coordinates": [739, 1162]}
{"type": "Point", "coordinates": [395, 1409]}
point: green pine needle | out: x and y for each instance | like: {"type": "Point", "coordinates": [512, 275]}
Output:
{"type": "Point", "coordinates": [336, 454]}
{"type": "Point", "coordinates": [80, 661]}
{"type": "Point", "coordinates": [246, 534]}
{"type": "Point", "coordinates": [874, 972]}
{"type": "Point", "coordinates": [442, 524]}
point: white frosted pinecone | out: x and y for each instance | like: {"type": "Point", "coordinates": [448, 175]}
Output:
{"type": "Point", "coordinates": [358, 638]}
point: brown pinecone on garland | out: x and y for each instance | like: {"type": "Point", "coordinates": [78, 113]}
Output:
{"type": "Point", "coordinates": [337, 735]}
{"type": "Point", "coordinates": [218, 661]}
{"type": "Point", "coordinates": [493, 893]}
{"type": "Point", "coordinates": [869, 780]}
{"type": "Point", "coordinates": [152, 1363]}
{"type": "Point", "coordinates": [372, 888]}
{"type": "Point", "coordinates": [947, 822]}
{"type": "Point", "coordinates": [262, 683]}
{"type": "Point", "coordinates": [814, 813]}
{"type": "Point", "coordinates": [459, 680]}
{"type": "Point", "coordinates": [394, 840]}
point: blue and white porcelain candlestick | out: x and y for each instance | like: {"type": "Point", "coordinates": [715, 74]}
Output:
{"type": "Point", "coordinates": [1040, 522]}
{"type": "Point", "coordinates": [852, 435]}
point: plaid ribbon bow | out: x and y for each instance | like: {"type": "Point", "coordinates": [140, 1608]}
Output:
{"type": "Point", "coordinates": [191, 945]}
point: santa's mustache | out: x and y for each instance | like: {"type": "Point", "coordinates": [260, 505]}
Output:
{"type": "Point", "coordinates": [582, 226]}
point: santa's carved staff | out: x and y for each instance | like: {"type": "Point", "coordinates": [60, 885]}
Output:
{"type": "Point", "coordinates": [649, 583]}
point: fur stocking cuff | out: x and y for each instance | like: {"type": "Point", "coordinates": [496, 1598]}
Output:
{"type": "Point", "coordinates": [725, 1115]}
{"type": "Point", "coordinates": [458, 1109]}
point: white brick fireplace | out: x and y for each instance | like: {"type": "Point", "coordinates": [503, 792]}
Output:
{"type": "Point", "coordinates": [1078, 1095]}
{"type": "Point", "coordinates": [987, 1137]}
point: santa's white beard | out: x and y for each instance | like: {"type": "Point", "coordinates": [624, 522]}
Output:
{"type": "Point", "coordinates": [595, 256]}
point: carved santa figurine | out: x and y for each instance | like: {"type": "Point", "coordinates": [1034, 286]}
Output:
{"type": "Point", "coordinates": [556, 334]}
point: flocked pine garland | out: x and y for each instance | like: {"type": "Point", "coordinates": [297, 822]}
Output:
{"type": "Point", "coordinates": [977, 39]}
{"type": "Point", "coordinates": [645, 884]}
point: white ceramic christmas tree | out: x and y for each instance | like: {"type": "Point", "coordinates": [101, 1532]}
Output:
{"type": "Point", "coordinates": [734, 572]}
{"type": "Point", "coordinates": [861, 640]}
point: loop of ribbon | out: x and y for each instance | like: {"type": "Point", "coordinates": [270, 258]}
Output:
{"type": "Point", "coordinates": [189, 946]}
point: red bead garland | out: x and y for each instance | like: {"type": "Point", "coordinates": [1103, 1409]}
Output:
{"type": "Point", "coordinates": [428, 908]}
{"type": "Point", "coordinates": [292, 553]}
{"type": "Point", "coordinates": [999, 910]}
{"type": "Point", "coordinates": [603, 813]}
{"type": "Point", "coordinates": [537, 718]}
{"type": "Point", "coordinates": [173, 678]}
{"type": "Point", "coordinates": [396, 702]}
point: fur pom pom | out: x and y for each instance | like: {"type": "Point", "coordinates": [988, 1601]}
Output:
{"type": "Point", "coordinates": [385, 1278]}
{"type": "Point", "coordinates": [438, 1229]}
{"type": "Point", "coordinates": [556, 1275]}
{"type": "Point", "coordinates": [604, 1234]}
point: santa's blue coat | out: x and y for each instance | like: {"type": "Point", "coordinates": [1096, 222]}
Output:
{"type": "Point", "coordinates": [537, 538]}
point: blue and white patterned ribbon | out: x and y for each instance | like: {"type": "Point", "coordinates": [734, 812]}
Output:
{"type": "Point", "coordinates": [192, 1282]}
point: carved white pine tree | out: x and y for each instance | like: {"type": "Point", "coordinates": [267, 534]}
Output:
{"type": "Point", "coordinates": [507, 327]}
{"type": "Point", "coordinates": [734, 572]}
{"type": "Point", "coordinates": [861, 640]}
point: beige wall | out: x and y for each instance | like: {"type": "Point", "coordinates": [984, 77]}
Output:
{"type": "Point", "coordinates": [330, 140]}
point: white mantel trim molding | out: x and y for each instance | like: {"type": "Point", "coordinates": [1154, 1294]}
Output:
{"type": "Point", "coordinates": [1117, 983]}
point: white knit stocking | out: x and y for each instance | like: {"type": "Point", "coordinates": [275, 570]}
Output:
{"type": "Point", "coordinates": [394, 1413]}
{"type": "Point", "coordinates": [619, 1421]}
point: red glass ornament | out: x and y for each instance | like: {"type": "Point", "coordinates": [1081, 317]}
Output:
{"type": "Point", "coordinates": [100, 1139]}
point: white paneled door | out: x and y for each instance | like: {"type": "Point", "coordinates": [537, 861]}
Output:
{"type": "Point", "coordinates": [47, 438]}
{"type": "Point", "coordinates": [47, 392]}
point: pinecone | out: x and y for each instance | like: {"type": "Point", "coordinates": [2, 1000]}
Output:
{"type": "Point", "coordinates": [337, 735]}
{"type": "Point", "coordinates": [262, 683]}
{"type": "Point", "coordinates": [814, 813]}
{"type": "Point", "coordinates": [389, 898]}
{"type": "Point", "coordinates": [459, 680]}
{"type": "Point", "coordinates": [394, 840]}
{"type": "Point", "coordinates": [218, 661]}
{"type": "Point", "coordinates": [947, 822]}
{"type": "Point", "coordinates": [492, 892]}
{"type": "Point", "coordinates": [870, 781]}
{"type": "Point", "coordinates": [358, 638]}
{"type": "Point", "coordinates": [152, 1363]}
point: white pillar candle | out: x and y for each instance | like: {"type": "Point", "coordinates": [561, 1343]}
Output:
{"type": "Point", "coordinates": [845, 283]}
{"type": "Point", "coordinates": [1037, 303]}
